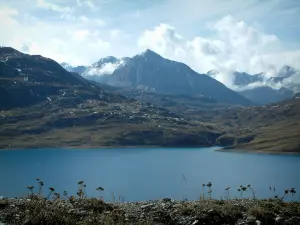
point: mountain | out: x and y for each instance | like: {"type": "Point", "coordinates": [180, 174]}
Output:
{"type": "Point", "coordinates": [265, 95]}
{"type": "Point", "coordinates": [30, 79]}
{"type": "Point", "coordinates": [76, 69]}
{"type": "Point", "coordinates": [150, 72]}
{"type": "Point", "coordinates": [241, 79]}
{"type": "Point", "coordinates": [244, 79]}
{"type": "Point", "coordinates": [43, 105]}
{"type": "Point", "coordinates": [100, 70]}
{"type": "Point", "coordinates": [259, 89]}
{"type": "Point", "coordinates": [271, 128]}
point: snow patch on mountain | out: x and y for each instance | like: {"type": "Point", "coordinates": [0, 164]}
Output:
{"type": "Point", "coordinates": [105, 66]}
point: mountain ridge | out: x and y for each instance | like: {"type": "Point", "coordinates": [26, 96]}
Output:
{"type": "Point", "coordinates": [43, 105]}
{"type": "Point", "coordinates": [246, 85]}
{"type": "Point", "coordinates": [149, 71]}
{"type": "Point", "coordinates": [54, 108]}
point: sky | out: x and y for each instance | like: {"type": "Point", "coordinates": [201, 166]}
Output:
{"type": "Point", "coordinates": [225, 35]}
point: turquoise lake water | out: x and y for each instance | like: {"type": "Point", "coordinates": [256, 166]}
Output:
{"type": "Point", "coordinates": [147, 173]}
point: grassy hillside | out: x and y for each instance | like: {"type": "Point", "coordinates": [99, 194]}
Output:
{"type": "Point", "coordinates": [43, 105]}
{"type": "Point", "coordinates": [271, 128]}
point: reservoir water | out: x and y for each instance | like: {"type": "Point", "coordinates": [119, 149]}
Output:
{"type": "Point", "coordinates": [138, 174]}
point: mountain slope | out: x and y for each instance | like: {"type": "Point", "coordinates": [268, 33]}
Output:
{"type": "Point", "coordinates": [76, 69]}
{"type": "Point", "coordinates": [26, 80]}
{"type": "Point", "coordinates": [259, 89]}
{"type": "Point", "coordinates": [244, 79]}
{"type": "Point", "coordinates": [273, 128]}
{"type": "Point", "coordinates": [266, 95]}
{"type": "Point", "coordinates": [151, 72]}
{"type": "Point", "coordinates": [43, 105]}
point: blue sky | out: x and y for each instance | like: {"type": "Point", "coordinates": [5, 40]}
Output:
{"type": "Point", "coordinates": [226, 35]}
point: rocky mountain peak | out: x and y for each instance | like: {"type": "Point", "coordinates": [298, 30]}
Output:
{"type": "Point", "coordinates": [108, 59]}
{"type": "Point", "coordinates": [149, 54]}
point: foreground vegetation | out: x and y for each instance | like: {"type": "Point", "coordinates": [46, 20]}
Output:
{"type": "Point", "coordinates": [166, 211]}
{"type": "Point", "coordinates": [58, 208]}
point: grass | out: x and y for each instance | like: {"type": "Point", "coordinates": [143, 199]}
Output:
{"type": "Point", "coordinates": [84, 123]}
{"type": "Point", "coordinates": [58, 208]}
{"type": "Point", "coordinates": [96, 211]}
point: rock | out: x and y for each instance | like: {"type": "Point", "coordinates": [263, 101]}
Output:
{"type": "Point", "coordinates": [167, 200]}
{"type": "Point", "coordinates": [3, 204]}
{"type": "Point", "coordinates": [196, 222]}
{"type": "Point", "coordinates": [81, 213]}
{"type": "Point", "coordinates": [144, 207]}
{"type": "Point", "coordinates": [251, 218]}
{"type": "Point", "coordinates": [279, 220]}
{"type": "Point", "coordinates": [177, 205]}
{"type": "Point", "coordinates": [293, 220]}
{"type": "Point", "coordinates": [211, 211]}
{"type": "Point", "coordinates": [35, 221]}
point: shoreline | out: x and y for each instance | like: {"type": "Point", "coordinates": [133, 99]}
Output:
{"type": "Point", "coordinates": [227, 149]}
{"type": "Point", "coordinates": [249, 151]}
{"type": "Point", "coordinates": [82, 147]}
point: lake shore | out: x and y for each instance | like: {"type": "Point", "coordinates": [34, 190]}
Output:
{"type": "Point", "coordinates": [165, 211]}
{"type": "Point", "coordinates": [221, 149]}
{"type": "Point", "coordinates": [253, 151]}
{"type": "Point", "coordinates": [81, 147]}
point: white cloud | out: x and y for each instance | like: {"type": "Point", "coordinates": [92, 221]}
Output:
{"type": "Point", "coordinates": [99, 22]}
{"type": "Point", "coordinates": [50, 6]}
{"type": "Point", "coordinates": [115, 33]}
{"type": "Point", "coordinates": [106, 69]}
{"type": "Point", "coordinates": [84, 18]}
{"type": "Point", "coordinates": [234, 46]}
{"type": "Point", "coordinates": [7, 24]}
{"type": "Point", "coordinates": [293, 82]}
{"type": "Point", "coordinates": [81, 35]}
{"type": "Point", "coordinates": [82, 31]}
{"type": "Point", "coordinates": [163, 39]}
{"type": "Point", "coordinates": [79, 42]}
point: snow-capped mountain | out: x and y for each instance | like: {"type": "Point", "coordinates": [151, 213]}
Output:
{"type": "Point", "coordinates": [265, 95]}
{"type": "Point", "coordinates": [243, 79]}
{"type": "Point", "coordinates": [262, 90]}
{"type": "Point", "coordinates": [76, 69]}
{"type": "Point", "coordinates": [148, 71]}
{"type": "Point", "coordinates": [105, 66]}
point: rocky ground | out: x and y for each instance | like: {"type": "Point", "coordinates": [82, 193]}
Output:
{"type": "Point", "coordinates": [31, 211]}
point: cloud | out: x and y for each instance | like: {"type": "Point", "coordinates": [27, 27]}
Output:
{"type": "Point", "coordinates": [256, 35]}
{"type": "Point", "coordinates": [81, 35]}
{"type": "Point", "coordinates": [51, 6]}
{"type": "Point", "coordinates": [163, 39]}
{"type": "Point", "coordinates": [233, 46]}
{"type": "Point", "coordinates": [106, 69]}
{"type": "Point", "coordinates": [72, 39]}
{"type": "Point", "coordinates": [84, 18]}
{"type": "Point", "coordinates": [115, 33]}
{"type": "Point", "coordinates": [293, 82]}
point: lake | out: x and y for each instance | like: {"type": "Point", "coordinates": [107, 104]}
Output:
{"type": "Point", "coordinates": [147, 173]}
